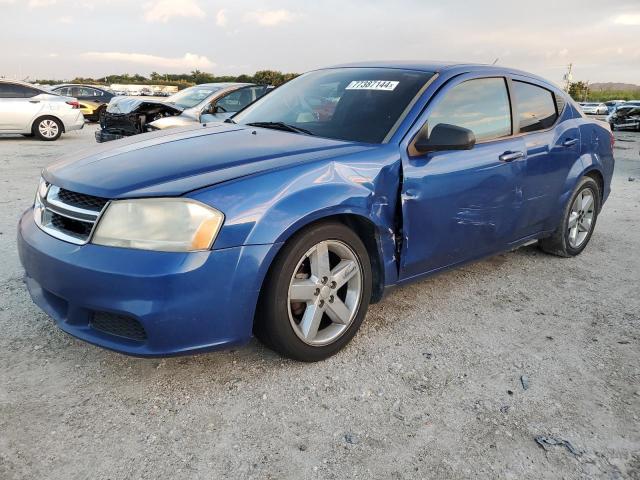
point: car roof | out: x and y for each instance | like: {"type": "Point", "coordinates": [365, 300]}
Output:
{"type": "Point", "coordinates": [19, 82]}
{"type": "Point", "coordinates": [26, 84]}
{"type": "Point", "coordinates": [441, 67]}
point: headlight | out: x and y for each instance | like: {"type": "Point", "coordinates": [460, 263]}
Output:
{"type": "Point", "coordinates": [164, 224]}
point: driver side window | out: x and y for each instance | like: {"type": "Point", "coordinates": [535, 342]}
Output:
{"type": "Point", "coordinates": [480, 105]}
{"type": "Point", "coordinates": [235, 101]}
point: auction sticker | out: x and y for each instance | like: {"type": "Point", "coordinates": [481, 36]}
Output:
{"type": "Point", "coordinates": [386, 85]}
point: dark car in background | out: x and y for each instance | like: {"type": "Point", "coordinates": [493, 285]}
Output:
{"type": "Point", "coordinates": [613, 104]}
{"type": "Point", "coordinates": [208, 102]}
{"type": "Point", "coordinates": [625, 117]}
{"type": "Point", "coordinates": [93, 100]}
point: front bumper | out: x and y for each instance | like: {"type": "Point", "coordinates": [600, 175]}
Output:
{"type": "Point", "coordinates": [104, 136]}
{"type": "Point", "coordinates": [185, 302]}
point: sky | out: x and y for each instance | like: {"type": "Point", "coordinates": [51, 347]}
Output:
{"type": "Point", "coordinates": [63, 39]}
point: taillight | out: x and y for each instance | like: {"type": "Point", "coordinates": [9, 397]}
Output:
{"type": "Point", "coordinates": [613, 140]}
{"type": "Point", "coordinates": [73, 104]}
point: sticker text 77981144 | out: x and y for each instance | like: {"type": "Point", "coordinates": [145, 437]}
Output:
{"type": "Point", "coordinates": [386, 85]}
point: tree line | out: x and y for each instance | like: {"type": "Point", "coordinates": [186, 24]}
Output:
{"type": "Point", "coordinates": [181, 80]}
{"type": "Point", "coordinates": [581, 92]}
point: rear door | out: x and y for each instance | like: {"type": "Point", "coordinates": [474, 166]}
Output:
{"type": "Point", "coordinates": [552, 144]}
{"type": "Point", "coordinates": [19, 105]}
{"type": "Point", "coordinates": [462, 205]}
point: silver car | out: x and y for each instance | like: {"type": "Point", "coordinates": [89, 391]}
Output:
{"type": "Point", "coordinates": [592, 108]}
{"type": "Point", "coordinates": [210, 102]}
{"type": "Point", "coordinates": [32, 111]}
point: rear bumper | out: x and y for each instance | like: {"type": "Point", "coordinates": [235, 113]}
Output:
{"type": "Point", "coordinates": [185, 302]}
{"type": "Point", "coordinates": [76, 123]}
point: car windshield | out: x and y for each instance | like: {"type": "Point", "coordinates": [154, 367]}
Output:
{"type": "Point", "coordinates": [192, 96]}
{"type": "Point", "coordinates": [353, 104]}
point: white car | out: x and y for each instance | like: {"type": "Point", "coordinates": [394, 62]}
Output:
{"type": "Point", "coordinates": [32, 111]}
{"type": "Point", "coordinates": [591, 108]}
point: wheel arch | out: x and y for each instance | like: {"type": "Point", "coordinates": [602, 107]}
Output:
{"type": "Point", "coordinates": [361, 225]}
{"type": "Point", "coordinates": [597, 175]}
{"type": "Point", "coordinates": [42, 116]}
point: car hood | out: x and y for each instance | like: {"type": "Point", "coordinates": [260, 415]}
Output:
{"type": "Point", "coordinates": [130, 104]}
{"type": "Point", "coordinates": [180, 160]}
{"type": "Point", "coordinates": [188, 117]}
{"type": "Point", "coordinates": [171, 122]}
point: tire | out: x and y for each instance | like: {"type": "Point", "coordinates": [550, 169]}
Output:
{"type": "Point", "coordinates": [570, 238]}
{"type": "Point", "coordinates": [47, 128]}
{"type": "Point", "coordinates": [336, 311]}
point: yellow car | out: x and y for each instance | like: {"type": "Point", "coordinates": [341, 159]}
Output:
{"type": "Point", "coordinates": [93, 100]}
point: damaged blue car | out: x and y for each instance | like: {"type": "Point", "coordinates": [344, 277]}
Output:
{"type": "Point", "coordinates": [290, 218]}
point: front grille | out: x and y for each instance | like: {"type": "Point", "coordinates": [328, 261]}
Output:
{"type": "Point", "coordinates": [80, 200]}
{"type": "Point", "coordinates": [67, 215]}
{"type": "Point", "coordinates": [70, 226]}
{"type": "Point", "coordinates": [118, 325]}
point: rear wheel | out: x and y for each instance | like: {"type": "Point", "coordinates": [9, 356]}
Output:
{"type": "Point", "coordinates": [316, 294]}
{"type": "Point", "coordinates": [47, 128]}
{"type": "Point", "coordinates": [579, 220]}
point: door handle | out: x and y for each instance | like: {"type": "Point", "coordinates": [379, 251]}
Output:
{"type": "Point", "coordinates": [569, 142]}
{"type": "Point", "coordinates": [511, 156]}
{"type": "Point", "coordinates": [34, 101]}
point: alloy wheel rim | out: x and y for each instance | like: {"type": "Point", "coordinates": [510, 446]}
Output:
{"type": "Point", "coordinates": [581, 218]}
{"type": "Point", "coordinates": [325, 293]}
{"type": "Point", "coordinates": [48, 128]}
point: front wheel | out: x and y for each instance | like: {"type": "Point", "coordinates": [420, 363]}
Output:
{"type": "Point", "coordinates": [579, 220]}
{"type": "Point", "coordinates": [316, 293]}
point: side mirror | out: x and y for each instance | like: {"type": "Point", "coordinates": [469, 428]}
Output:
{"type": "Point", "coordinates": [445, 137]}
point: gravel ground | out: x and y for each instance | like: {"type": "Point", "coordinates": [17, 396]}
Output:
{"type": "Point", "coordinates": [431, 387]}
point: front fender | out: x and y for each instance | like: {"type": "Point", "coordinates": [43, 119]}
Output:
{"type": "Point", "coordinates": [270, 207]}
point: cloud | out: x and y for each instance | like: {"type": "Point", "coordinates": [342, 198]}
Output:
{"type": "Point", "coordinates": [164, 10]}
{"type": "Point", "coordinates": [628, 19]}
{"type": "Point", "coordinates": [188, 61]}
{"type": "Point", "coordinates": [221, 18]}
{"type": "Point", "coordinates": [41, 3]}
{"type": "Point", "coordinates": [270, 18]}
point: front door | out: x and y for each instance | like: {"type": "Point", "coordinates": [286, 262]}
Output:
{"type": "Point", "coordinates": [462, 205]}
{"type": "Point", "coordinates": [18, 106]}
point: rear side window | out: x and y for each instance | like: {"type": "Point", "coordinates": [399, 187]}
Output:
{"type": "Point", "coordinates": [237, 100]}
{"type": "Point", "coordinates": [481, 105]}
{"type": "Point", "coordinates": [30, 92]}
{"type": "Point", "coordinates": [88, 92]}
{"type": "Point", "coordinates": [536, 107]}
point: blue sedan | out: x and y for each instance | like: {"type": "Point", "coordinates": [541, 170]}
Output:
{"type": "Point", "coordinates": [289, 219]}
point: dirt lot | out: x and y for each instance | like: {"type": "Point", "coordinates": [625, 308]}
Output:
{"type": "Point", "coordinates": [430, 388]}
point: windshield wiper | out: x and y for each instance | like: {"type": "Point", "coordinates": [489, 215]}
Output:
{"type": "Point", "coordinates": [280, 126]}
